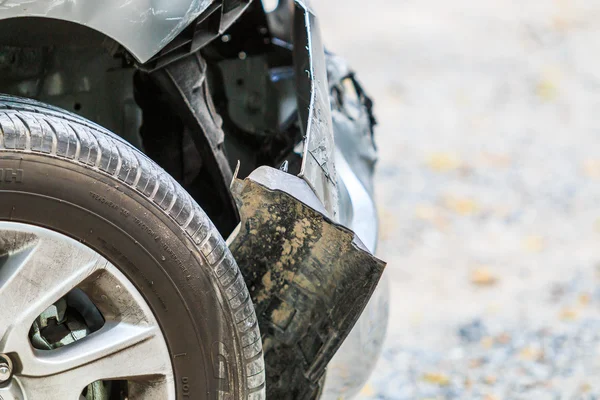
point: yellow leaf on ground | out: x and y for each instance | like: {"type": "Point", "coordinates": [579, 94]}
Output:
{"type": "Point", "coordinates": [585, 387]}
{"type": "Point", "coordinates": [443, 161]}
{"type": "Point", "coordinates": [387, 223]}
{"type": "Point", "coordinates": [368, 390]}
{"type": "Point", "coordinates": [533, 244]}
{"type": "Point", "coordinates": [591, 168]}
{"type": "Point", "coordinates": [564, 18]}
{"type": "Point", "coordinates": [584, 299]}
{"type": "Point", "coordinates": [482, 276]}
{"type": "Point", "coordinates": [461, 205]}
{"type": "Point", "coordinates": [568, 314]}
{"type": "Point", "coordinates": [530, 353]}
{"type": "Point", "coordinates": [547, 87]}
{"type": "Point", "coordinates": [425, 212]}
{"type": "Point", "coordinates": [487, 342]}
{"type": "Point", "coordinates": [503, 338]}
{"type": "Point", "coordinates": [495, 159]}
{"type": "Point", "coordinates": [597, 225]}
{"type": "Point", "coordinates": [436, 379]}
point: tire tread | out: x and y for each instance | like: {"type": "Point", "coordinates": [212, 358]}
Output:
{"type": "Point", "coordinates": [50, 131]}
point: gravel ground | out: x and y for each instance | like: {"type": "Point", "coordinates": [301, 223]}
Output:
{"type": "Point", "coordinates": [488, 190]}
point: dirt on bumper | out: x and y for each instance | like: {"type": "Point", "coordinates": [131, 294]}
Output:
{"type": "Point", "coordinates": [309, 278]}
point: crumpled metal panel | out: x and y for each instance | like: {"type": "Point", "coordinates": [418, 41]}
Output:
{"type": "Point", "coordinates": [318, 163]}
{"type": "Point", "coordinates": [309, 278]}
{"type": "Point", "coordinates": [143, 27]}
{"type": "Point", "coordinates": [353, 120]}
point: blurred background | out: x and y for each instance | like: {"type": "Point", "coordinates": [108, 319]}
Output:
{"type": "Point", "coordinates": [488, 189]}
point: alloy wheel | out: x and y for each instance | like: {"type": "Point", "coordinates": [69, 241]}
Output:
{"type": "Point", "coordinates": [72, 326]}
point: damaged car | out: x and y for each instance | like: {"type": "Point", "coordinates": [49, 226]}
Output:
{"type": "Point", "coordinates": [186, 204]}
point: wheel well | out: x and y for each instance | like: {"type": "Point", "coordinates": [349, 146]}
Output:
{"type": "Point", "coordinates": [81, 70]}
{"type": "Point", "coordinates": [71, 66]}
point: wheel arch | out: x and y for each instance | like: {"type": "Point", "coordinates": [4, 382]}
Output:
{"type": "Point", "coordinates": [30, 31]}
{"type": "Point", "coordinates": [143, 27]}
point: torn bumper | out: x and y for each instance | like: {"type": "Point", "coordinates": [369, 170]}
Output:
{"type": "Point", "coordinates": [299, 247]}
{"type": "Point", "coordinates": [309, 277]}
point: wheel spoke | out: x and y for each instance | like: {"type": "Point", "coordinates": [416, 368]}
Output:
{"type": "Point", "coordinates": [37, 268]}
{"type": "Point", "coordinates": [115, 352]}
{"type": "Point", "coordinates": [50, 388]}
{"type": "Point", "coordinates": [34, 278]}
{"type": "Point", "coordinates": [54, 388]}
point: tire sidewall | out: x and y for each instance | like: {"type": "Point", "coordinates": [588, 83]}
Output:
{"type": "Point", "coordinates": [149, 248]}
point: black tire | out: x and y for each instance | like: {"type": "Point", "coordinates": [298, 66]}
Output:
{"type": "Point", "coordinates": [64, 173]}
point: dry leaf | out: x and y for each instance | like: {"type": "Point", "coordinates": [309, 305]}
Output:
{"type": "Point", "coordinates": [495, 160]}
{"type": "Point", "coordinates": [546, 89]}
{"type": "Point", "coordinates": [597, 225]}
{"type": "Point", "coordinates": [387, 224]}
{"type": "Point", "coordinates": [436, 379]}
{"type": "Point", "coordinates": [503, 338]}
{"type": "Point", "coordinates": [425, 212]}
{"type": "Point", "coordinates": [533, 244]}
{"type": "Point", "coordinates": [547, 86]}
{"type": "Point", "coordinates": [591, 168]}
{"type": "Point", "coordinates": [461, 205]}
{"type": "Point", "coordinates": [529, 353]}
{"type": "Point", "coordinates": [568, 314]}
{"type": "Point", "coordinates": [585, 387]}
{"type": "Point", "coordinates": [443, 161]}
{"type": "Point", "coordinates": [368, 390]}
{"type": "Point", "coordinates": [562, 23]}
{"type": "Point", "coordinates": [487, 342]}
{"type": "Point", "coordinates": [564, 19]}
{"type": "Point", "coordinates": [483, 277]}
{"type": "Point", "coordinates": [584, 299]}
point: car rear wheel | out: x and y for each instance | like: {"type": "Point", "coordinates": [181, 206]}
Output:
{"type": "Point", "coordinates": [114, 283]}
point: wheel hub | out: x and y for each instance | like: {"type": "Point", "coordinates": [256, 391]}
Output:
{"type": "Point", "coordinates": [55, 292]}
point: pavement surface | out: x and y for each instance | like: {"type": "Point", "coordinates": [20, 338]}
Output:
{"type": "Point", "coordinates": [488, 188]}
